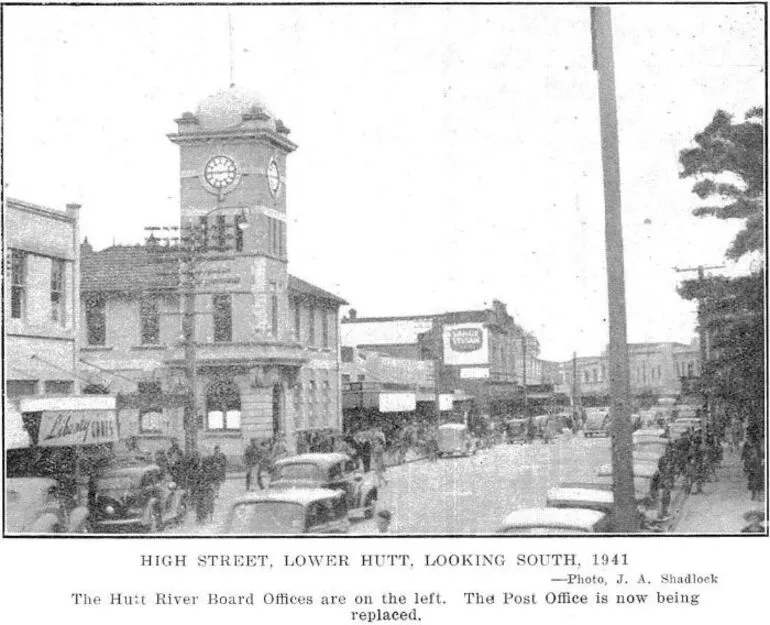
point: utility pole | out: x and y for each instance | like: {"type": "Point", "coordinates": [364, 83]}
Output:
{"type": "Point", "coordinates": [575, 403]}
{"type": "Point", "coordinates": [703, 335]}
{"type": "Point", "coordinates": [438, 330]}
{"type": "Point", "coordinates": [622, 461]}
{"type": "Point", "coordinates": [187, 254]}
{"type": "Point", "coordinates": [524, 373]}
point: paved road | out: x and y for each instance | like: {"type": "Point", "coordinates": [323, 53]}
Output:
{"type": "Point", "coordinates": [463, 495]}
{"type": "Point", "coordinates": [473, 495]}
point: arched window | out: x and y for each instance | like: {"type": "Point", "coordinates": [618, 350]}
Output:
{"type": "Point", "coordinates": [223, 406]}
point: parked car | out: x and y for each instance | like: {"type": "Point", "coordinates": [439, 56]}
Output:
{"type": "Point", "coordinates": [454, 439]}
{"type": "Point", "coordinates": [597, 422]}
{"type": "Point", "coordinates": [34, 505]}
{"type": "Point", "coordinates": [649, 434]}
{"type": "Point", "coordinates": [589, 499]}
{"type": "Point", "coordinates": [136, 496]}
{"type": "Point", "coordinates": [549, 521]}
{"type": "Point", "coordinates": [289, 511]}
{"type": "Point", "coordinates": [335, 471]}
{"type": "Point", "coordinates": [641, 469]}
{"type": "Point", "coordinates": [641, 486]}
{"type": "Point", "coordinates": [516, 430]}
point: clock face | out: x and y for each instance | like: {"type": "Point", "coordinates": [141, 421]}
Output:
{"type": "Point", "coordinates": [273, 177]}
{"type": "Point", "coordinates": [220, 172]}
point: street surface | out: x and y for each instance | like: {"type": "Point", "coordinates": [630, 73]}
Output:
{"type": "Point", "coordinates": [462, 495]}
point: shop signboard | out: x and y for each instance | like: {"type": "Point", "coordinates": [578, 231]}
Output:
{"type": "Point", "coordinates": [397, 402]}
{"type": "Point", "coordinates": [74, 420]}
{"type": "Point", "coordinates": [474, 373]}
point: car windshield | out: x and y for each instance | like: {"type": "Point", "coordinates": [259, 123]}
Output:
{"type": "Point", "coordinates": [267, 517]}
{"type": "Point", "coordinates": [118, 482]}
{"type": "Point", "coordinates": [298, 471]}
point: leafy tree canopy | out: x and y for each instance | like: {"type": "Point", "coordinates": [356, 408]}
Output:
{"type": "Point", "coordinates": [728, 167]}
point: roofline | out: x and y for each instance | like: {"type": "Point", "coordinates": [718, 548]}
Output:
{"type": "Point", "coordinates": [415, 317]}
{"type": "Point", "coordinates": [38, 208]}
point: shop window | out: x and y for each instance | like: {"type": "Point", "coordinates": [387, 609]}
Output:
{"type": "Point", "coordinates": [58, 387]}
{"type": "Point", "coordinates": [20, 388]}
{"type": "Point", "coordinates": [273, 308]}
{"type": "Point", "coordinates": [18, 268]}
{"type": "Point", "coordinates": [223, 406]}
{"type": "Point", "coordinates": [240, 221]}
{"type": "Point", "coordinates": [297, 321]}
{"type": "Point", "coordinates": [149, 314]}
{"type": "Point", "coordinates": [223, 318]}
{"type": "Point", "coordinates": [220, 232]}
{"type": "Point", "coordinates": [57, 290]}
{"type": "Point", "coordinates": [150, 421]}
{"type": "Point", "coordinates": [96, 322]}
{"type": "Point", "coordinates": [325, 328]}
{"type": "Point", "coordinates": [311, 326]}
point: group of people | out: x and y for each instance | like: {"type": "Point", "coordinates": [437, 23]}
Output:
{"type": "Point", "coordinates": [201, 475]}
{"type": "Point", "coordinates": [259, 458]}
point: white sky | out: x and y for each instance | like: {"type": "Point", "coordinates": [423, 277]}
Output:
{"type": "Point", "coordinates": [448, 155]}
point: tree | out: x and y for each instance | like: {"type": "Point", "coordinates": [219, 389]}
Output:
{"type": "Point", "coordinates": [728, 167]}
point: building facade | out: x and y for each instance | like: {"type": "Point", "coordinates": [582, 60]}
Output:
{"type": "Point", "coordinates": [481, 354]}
{"type": "Point", "coordinates": [41, 299]}
{"type": "Point", "coordinates": [656, 370]}
{"type": "Point", "coordinates": [263, 346]}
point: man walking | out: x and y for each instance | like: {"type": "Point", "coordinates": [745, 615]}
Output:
{"type": "Point", "coordinates": [251, 460]}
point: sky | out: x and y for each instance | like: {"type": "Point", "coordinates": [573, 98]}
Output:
{"type": "Point", "coordinates": [448, 156]}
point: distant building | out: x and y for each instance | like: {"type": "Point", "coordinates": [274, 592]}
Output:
{"type": "Point", "coordinates": [656, 370]}
{"type": "Point", "coordinates": [482, 355]}
{"type": "Point", "coordinates": [377, 388]}
{"type": "Point", "coordinates": [41, 299]}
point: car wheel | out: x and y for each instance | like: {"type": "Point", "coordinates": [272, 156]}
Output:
{"type": "Point", "coordinates": [155, 524]}
{"type": "Point", "coordinates": [181, 512]}
{"type": "Point", "coordinates": [371, 502]}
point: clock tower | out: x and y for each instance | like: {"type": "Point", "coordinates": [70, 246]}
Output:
{"type": "Point", "coordinates": [233, 185]}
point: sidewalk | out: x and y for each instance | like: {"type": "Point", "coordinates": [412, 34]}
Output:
{"type": "Point", "coordinates": [720, 509]}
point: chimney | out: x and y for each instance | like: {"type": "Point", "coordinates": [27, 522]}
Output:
{"type": "Point", "coordinates": [352, 314]}
{"type": "Point", "coordinates": [85, 247]}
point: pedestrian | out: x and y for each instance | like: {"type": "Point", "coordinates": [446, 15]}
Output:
{"type": "Point", "coordinates": [531, 429]}
{"type": "Point", "coordinates": [696, 464]}
{"type": "Point", "coordinates": [250, 460]}
{"type": "Point", "coordinates": [666, 471]}
{"type": "Point", "coordinates": [755, 525]}
{"type": "Point", "coordinates": [756, 472]}
{"type": "Point", "coordinates": [736, 435]}
{"type": "Point", "coordinates": [208, 487]}
{"type": "Point", "coordinates": [195, 484]}
{"type": "Point", "coordinates": [433, 445]}
{"type": "Point", "coordinates": [264, 462]}
{"type": "Point", "coordinates": [219, 461]}
{"type": "Point", "coordinates": [383, 521]}
{"type": "Point", "coordinates": [378, 458]}
{"type": "Point", "coordinates": [175, 462]}
{"type": "Point", "coordinates": [365, 448]}
{"type": "Point", "coordinates": [162, 461]}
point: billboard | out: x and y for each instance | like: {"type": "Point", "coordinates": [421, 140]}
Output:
{"type": "Point", "coordinates": [466, 344]}
{"type": "Point", "coordinates": [77, 427]}
{"type": "Point", "coordinates": [398, 402]}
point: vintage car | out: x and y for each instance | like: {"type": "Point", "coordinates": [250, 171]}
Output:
{"type": "Point", "coordinates": [454, 439]}
{"type": "Point", "coordinates": [335, 471]}
{"type": "Point", "coordinates": [34, 506]}
{"type": "Point", "coordinates": [289, 511]}
{"type": "Point", "coordinates": [597, 422]}
{"type": "Point", "coordinates": [550, 521]}
{"type": "Point", "coordinates": [588, 499]}
{"type": "Point", "coordinates": [649, 434]}
{"type": "Point", "coordinates": [641, 486]}
{"type": "Point", "coordinates": [641, 469]}
{"type": "Point", "coordinates": [682, 426]}
{"type": "Point", "coordinates": [648, 455]}
{"type": "Point", "coordinates": [136, 496]}
{"type": "Point", "coordinates": [516, 430]}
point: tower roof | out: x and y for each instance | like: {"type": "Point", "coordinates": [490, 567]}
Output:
{"type": "Point", "coordinates": [225, 110]}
